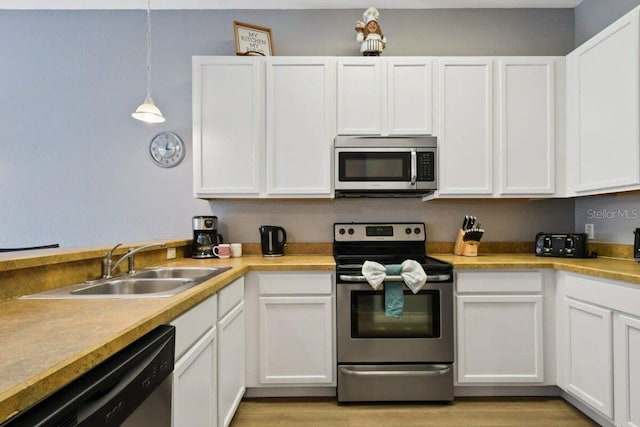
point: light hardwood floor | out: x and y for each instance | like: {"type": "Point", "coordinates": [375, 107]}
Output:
{"type": "Point", "coordinates": [463, 412]}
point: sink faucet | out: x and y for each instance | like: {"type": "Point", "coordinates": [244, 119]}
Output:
{"type": "Point", "coordinates": [108, 265]}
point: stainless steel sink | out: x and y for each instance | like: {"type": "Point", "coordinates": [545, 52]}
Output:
{"type": "Point", "coordinates": [135, 286]}
{"type": "Point", "coordinates": [177, 273]}
{"type": "Point", "coordinates": [146, 283]}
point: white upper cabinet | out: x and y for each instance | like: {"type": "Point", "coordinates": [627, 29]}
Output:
{"type": "Point", "coordinates": [527, 126]}
{"type": "Point", "coordinates": [300, 126]}
{"type": "Point", "coordinates": [385, 96]}
{"type": "Point", "coordinates": [263, 127]}
{"type": "Point", "coordinates": [499, 124]}
{"type": "Point", "coordinates": [465, 129]}
{"type": "Point", "coordinates": [228, 123]}
{"type": "Point", "coordinates": [603, 117]}
{"type": "Point", "coordinates": [360, 92]}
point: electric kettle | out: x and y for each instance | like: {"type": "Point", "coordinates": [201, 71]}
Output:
{"type": "Point", "coordinates": [272, 245]}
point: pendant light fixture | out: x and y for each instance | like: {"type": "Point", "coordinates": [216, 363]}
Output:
{"type": "Point", "coordinates": [147, 111]}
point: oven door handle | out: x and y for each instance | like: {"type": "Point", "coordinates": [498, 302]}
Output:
{"type": "Point", "coordinates": [430, 278]}
{"type": "Point", "coordinates": [439, 370]}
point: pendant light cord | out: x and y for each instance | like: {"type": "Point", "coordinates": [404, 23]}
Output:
{"type": "Point", "coordinates": [148, 48]}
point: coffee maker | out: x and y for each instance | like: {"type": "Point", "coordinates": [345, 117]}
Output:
{"type": "Point", "coordinates": [205, 236]}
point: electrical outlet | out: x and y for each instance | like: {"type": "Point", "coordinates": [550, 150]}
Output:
{"type": "Point", "coordinates": [589, 229]}
{"type": "Point", "coordinates": [171, 253]}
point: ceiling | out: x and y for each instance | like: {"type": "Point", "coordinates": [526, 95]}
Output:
{"type": "Point", "coordinates": [285, 4]}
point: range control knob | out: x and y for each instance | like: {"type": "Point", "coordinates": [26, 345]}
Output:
{"type": "Point", "coordinates": [341, 231]}
{"type": "Point", "coordinates": [351, 231]}
{"type": "Point", "coordinates": [407, 230]}
{"type": "Point", "coordinates": [417, 230]}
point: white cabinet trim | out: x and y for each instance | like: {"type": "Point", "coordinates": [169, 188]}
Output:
{"type": "Point", "coordinates": [625, 383]}
{"type": "Point", "coordinates": [549, 143]}
{"type": "Point", "coordinates": [379, 94]}
{"type": "Point", "coordinates": [324, 377]}
{"type": "Point", "coordinates": [536, 376]}
{"type": "Point", "coordinates": [628, 22]}
{"type": "Point", "coordinates": [225, 414]}
{"type": "Point", "coordinates": [604, 403]}
{"type": "Point", "coordinates": [323, 161]}
{"type": "Point", "coordinates": [255, 122]}
{"type": "Point", "coordinates": [485, 187]}
{"type": "Point", "coordinates": [393, 64]}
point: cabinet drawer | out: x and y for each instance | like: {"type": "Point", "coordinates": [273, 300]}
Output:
{"type": "Point", "coordinates": [619, 296]}
{"type": "Point", "coordinates": [497, 281]}
{"type": "Point", "coordinates": [304, 283]}
{"type": "Point", "coordinates": [193, 324]}
{"type": "Point", "coordinates": [230, 296]}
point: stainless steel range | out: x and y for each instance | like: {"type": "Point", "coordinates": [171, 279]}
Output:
{"type": "Point", "coordinates": [382, 358]}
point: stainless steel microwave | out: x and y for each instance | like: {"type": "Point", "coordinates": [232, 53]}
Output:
{"type": "Point", "coordinates": [374, 166]}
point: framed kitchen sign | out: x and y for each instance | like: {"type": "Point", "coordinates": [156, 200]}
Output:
{"type": "Point", "coordinates": [252, 39]}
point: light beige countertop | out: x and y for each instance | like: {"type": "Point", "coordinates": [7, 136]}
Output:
{"type": "Point", "coordinates": [608, 268]}
{"type": "Point", "coordinates": [47, 343]}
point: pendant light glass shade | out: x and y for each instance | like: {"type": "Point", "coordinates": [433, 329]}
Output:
{"type": "Point", "coordinates": [147, 111]}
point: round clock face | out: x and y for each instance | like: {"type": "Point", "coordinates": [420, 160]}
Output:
{"type": "Point", "coordinates": [166, 149]}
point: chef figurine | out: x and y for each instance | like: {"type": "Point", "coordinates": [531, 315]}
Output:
{"type": "Point", "coordinates": [369, 33]}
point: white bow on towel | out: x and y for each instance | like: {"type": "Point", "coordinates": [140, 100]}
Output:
{"type": "Point", "coordinates": [412, 273]}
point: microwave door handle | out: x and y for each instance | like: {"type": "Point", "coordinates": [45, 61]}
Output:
{"type": "Point", "coordinates": [414, 167]}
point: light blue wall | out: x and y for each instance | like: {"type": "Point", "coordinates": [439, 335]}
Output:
{"type": "Point", "coordinates": [74, 167]}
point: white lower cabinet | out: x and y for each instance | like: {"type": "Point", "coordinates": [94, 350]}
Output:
{"type": "Point", "coordinates": [194, 385]}
{"type": "Point", "coordinates": [231, 350]}
{"type": "Point", "coordinates": [499, 327]}
{"type": "Point", "coordinates": [589, 369]}
{"type": "Point", "coordinates": [194, 401]}
{"type": "Point", "coordinates": [599, 345]}
{"type": "Point", "coordinates": [305, 321]}
{"type": "Point", "coordinates": [290, 329]}
{"type": "Point", "coordinates": [626, 362]}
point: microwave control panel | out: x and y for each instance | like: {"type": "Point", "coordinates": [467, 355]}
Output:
{"type": "Point", "coordinates": [426, 166]}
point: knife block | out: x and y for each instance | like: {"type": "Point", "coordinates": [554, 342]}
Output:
{"type": "Point", "coordinates": [469, 248]}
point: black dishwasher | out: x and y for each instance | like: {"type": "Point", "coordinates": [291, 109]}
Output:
{"type": "Point", "coordinates": [110, 392]}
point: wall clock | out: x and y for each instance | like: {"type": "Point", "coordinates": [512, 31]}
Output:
{"type": "Point", "coordinates": [166, 149]}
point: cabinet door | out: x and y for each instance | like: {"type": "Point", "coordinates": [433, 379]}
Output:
{"type": "Point", "coordinates": [627, 370]}
{"type": "Point", "coordinates": [296, 340]}
{"type": "Point", "coordinates": [360, 96]}
{"type": "Point", "coordinates": [607, 135]}
{"type": "Point", "coordinates": [527, 129]}
{"type": "Point", "coordinates": [500, 339]}
{"type": "Point", "coordinates": [231, 356]}
{"type": "Point", "coordinates": [300, 126]}
{"type": "Point", "coordinates": [194, 385]}
{"type": "Point", "coordinates": [589, 356]}
{"type": "Point", "coordinates": [409, 99]}
{"type": "Point", "coordinates": [465, 130]}
{"type": "Point", "coordinates": [228, 126]}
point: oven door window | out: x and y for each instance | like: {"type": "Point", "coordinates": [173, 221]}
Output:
{"type": "Point", "coordinates": [374, 166]}
{"type": "Point", "coordinates": [420, 318]}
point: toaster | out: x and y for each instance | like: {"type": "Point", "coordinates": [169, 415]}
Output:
{"type": "Point", "coordinates": [564, 245]}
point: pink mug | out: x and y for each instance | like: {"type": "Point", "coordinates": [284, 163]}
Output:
{"type": "Point", "coordinates": [222, 250]}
